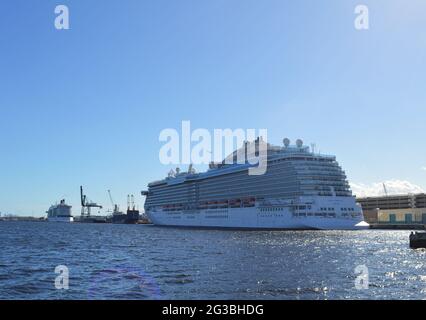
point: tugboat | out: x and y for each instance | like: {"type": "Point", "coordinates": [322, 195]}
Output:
{"type": "Point", "coordinates": [418, 240]}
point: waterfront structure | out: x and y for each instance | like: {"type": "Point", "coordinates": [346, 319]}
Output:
{"type": "Point", "coordinates": [401, 209]}
{"type": "Point", "coordinates": [299, 190]}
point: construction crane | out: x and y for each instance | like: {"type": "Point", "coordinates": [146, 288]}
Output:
{"type": "Point", "coordinates": [86, 205]}
{"type": "Point", "coordinates": [115, 206]}
{"type": "Point", "coordinates": [384, 188]}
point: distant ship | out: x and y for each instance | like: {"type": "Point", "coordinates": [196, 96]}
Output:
{"type": "Point", "coordinates": [60, 213]}
{"type": "Point", "coordinates": [132, 215]}
{"type": "Point", "coordinates": [118, 216]}
{"type": "Point", "coordinates": [299, 190]}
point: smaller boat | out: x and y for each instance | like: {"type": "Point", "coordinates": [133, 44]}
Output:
{"type": "Point", "coordinates": [418, 240]}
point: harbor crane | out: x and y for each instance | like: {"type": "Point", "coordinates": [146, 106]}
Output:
{"type": "Point", "coordinates": [385, 190]}
{"type": "Point", "coordinates": [115, 206]}
{"type": "Point", "coordinates": [86, 205]}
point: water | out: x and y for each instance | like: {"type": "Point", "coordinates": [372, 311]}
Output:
{"type": "Point", "coordinates": [147, 262]}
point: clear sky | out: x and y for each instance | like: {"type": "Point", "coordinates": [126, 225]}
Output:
{"type": "Point", "coordinates": [86, 105]}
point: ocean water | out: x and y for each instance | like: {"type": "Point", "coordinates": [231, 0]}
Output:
{"type": "Point", "coordinates": [107, 261]}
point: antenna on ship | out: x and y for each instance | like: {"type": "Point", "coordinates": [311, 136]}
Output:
{"type": "Point", "coordinates": [191, 169]}
{"type": "Point", "coordinates": [286, 142]}
{"type": "Point", "coordinates": [171, 173]}
{"type": "Point", "coordinates": [130, 202]}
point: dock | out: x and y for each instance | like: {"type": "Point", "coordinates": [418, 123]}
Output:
{"type": "Point", "coordinates": [91, 219]}
{"type": "Point", "coordinates": [400, 226]}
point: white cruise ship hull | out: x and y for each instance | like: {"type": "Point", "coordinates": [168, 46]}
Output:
{"type": "Point", "coordinates": [253, 218]}
{"type": "Point", "coordinates": [60, 219]}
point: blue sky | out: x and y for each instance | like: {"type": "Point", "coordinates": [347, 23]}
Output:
{"type": "Point", "coordinates": [86, 105]}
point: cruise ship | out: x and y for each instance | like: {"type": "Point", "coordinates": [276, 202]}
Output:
{"type": "Point", "coordinates": [60, 213]}
{"type": "Point", "coordinates": [300, 189]}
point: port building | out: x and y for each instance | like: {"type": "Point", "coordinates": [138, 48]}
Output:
{"type": "Point", "coordinates": [407, 209]}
